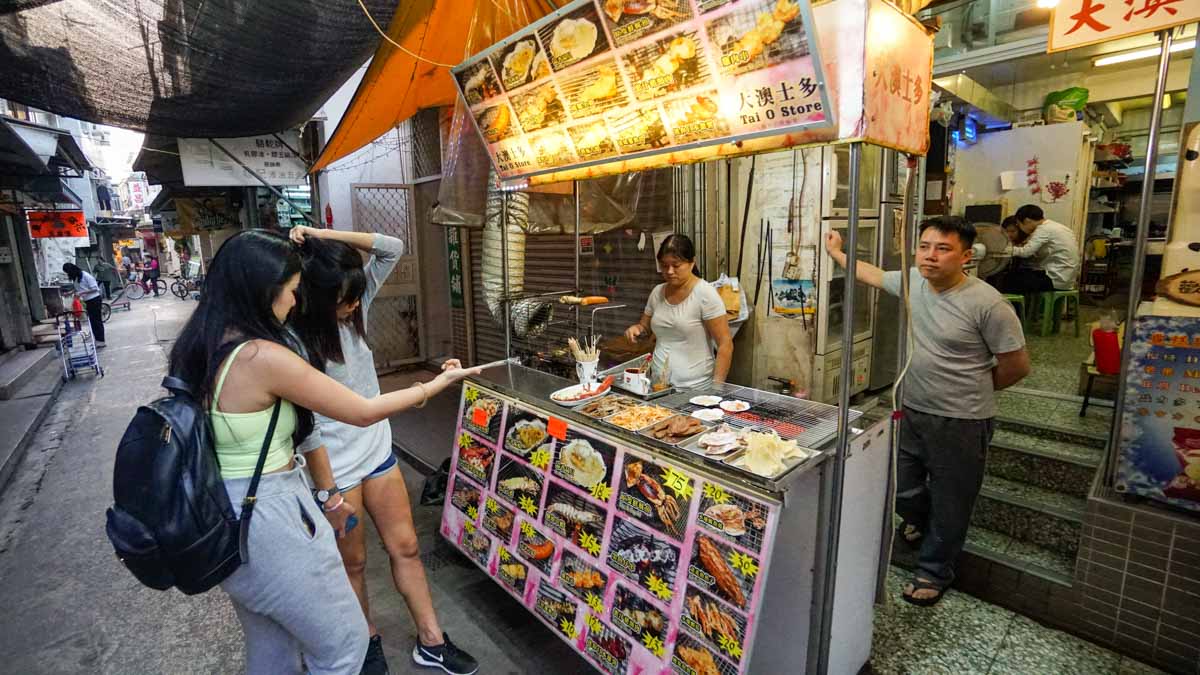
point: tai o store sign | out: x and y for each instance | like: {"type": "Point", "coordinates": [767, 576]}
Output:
{"type": "Point", "coordinates": [1076, 23]}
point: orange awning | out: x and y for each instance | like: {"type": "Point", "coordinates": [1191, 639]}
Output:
{"type": "Point", "coordinates": [434, 34]}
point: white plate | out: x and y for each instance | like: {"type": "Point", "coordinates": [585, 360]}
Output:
{"type": "Point", "coordinates": [706, 400]}
{"type": "Point", "coordinates": [734, 406]}
{"type": "Point", "coordinates": [572, 391]}
{"type": "Point", "coordinates": [708, 415]}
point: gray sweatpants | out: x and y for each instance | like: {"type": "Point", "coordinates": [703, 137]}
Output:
{"type": "Point", "coordinates": [293, 597]}
{"type": "Point", "coordinates": [938, 475]}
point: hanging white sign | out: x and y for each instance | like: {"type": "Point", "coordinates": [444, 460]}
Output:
{"type": "Point", "coordinates": [205, 165]}
{"type": "Point", "coordinates": [1075, 23]}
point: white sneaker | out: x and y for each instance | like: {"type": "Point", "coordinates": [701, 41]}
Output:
{"type": "Point", "coordinates": [100, 345]}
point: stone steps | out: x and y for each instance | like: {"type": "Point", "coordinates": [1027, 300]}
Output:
{"type": "Point", "coordinates": [19, 368]}
{"type": "Point", "coordinates": [1031, 514]}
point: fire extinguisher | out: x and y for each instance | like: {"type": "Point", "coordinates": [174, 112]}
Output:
{"type": "Point", "coordinates": [77, 310]}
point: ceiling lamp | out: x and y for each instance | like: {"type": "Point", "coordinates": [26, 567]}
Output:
{"type": "Point", "coordinates": [1182, 45]}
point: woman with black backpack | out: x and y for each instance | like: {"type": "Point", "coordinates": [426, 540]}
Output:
{"type": "Point", "coordinates": [292, 596]}
{"type": "Point", "coordinates": [338, 291]}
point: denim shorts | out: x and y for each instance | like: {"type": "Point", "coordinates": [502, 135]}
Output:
{"type": "Point", "coordinates": [387, 465]}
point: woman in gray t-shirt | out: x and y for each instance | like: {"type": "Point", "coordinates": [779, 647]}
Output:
{"type": "Point", "coordinates": [338, 291]}
{"type": "Point", "coordinates": [687, 316]}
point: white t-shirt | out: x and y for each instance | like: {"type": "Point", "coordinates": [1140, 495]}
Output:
{"type": "Point", "coordinates": [680, 332]}
{"type": "Point", "coordinates": [1052, 249]}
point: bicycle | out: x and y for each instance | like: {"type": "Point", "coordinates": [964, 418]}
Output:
{"type": "Point", "coordinates": [136, 290]}
{"type": "Point", "coordinates": [183, 287]}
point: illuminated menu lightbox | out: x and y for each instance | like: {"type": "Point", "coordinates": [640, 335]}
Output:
{"type": "Point", "coordinates": [599, 80]}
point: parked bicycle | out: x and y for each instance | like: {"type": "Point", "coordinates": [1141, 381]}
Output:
{"type": "Point", "coordinates": [137, 289]}
{"type": "Point", "coordinates": [183, 287]}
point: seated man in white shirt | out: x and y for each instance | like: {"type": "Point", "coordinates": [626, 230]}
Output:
{"type": "Point", "coordinates": [1053, 254]}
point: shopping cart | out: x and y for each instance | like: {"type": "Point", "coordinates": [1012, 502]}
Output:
{"type": "Point", "coordinates": [76, 346]}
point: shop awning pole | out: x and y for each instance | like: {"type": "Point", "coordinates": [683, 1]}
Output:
{"type": "Point", "coordinates": [1139, 250]}
{"type": "Point", "coordinates": [846, 380]}
{"type": "Point", "coordinates": [575, 191]}
{"type": "Point", "coordinates": [272, 188]}
{"type": "Point", "coordinates": [507, 301]}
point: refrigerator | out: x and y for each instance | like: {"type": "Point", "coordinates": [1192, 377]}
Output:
{"type": "Point", "coordinates": [884, 368]}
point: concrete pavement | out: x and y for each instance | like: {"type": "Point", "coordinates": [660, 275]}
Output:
{"type": "Point", "coordinates": [72, 608]}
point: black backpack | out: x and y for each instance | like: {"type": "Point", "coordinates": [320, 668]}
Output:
{"type": "Point", "coordinates": [172, 523]}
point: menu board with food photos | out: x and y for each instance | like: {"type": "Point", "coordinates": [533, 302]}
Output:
{"type": "Point", "coordinates": [636, 562]}
{"type": "Point", "coordinates": [603, 79]}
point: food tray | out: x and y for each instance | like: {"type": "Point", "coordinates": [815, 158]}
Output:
{"type": "Point", "coordinates": [788, 464]}
{"type": "Point", "coordinates": [809, 423]}
{"type": "Point", "coordinates": [636, 362]}
{"type": "Point", "coordinates": [666, 412]}
{"type": "Point", "coordinates": [704, 428]}
{"type": "Point", "coordinates": [611, 399]}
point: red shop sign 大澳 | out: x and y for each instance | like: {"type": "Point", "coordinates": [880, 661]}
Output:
{"type": "Point", "coordinates": [57, 224]}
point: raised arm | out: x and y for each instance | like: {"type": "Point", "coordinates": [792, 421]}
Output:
{"type": "Point", "coordinates": [290, 377]}
{"type": "Point", "coordinates": [865, 272]}
{"type": "Point", "coordinates": [363, 241]}
{"type": "Point", "coordinates": [1030, 248]}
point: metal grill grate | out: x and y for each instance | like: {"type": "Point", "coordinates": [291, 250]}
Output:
{"type": "Point", "coordinates": [427, 143]}
{"type": "Point", "coordinates": [808, 423]}
{"type": "Point", "coordinates": [393, 324]}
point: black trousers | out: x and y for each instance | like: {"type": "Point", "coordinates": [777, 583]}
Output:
{"type": "Point", "coordinates": [1025, 280]}
{"type": "Point", "coordinates": [938, 475]}
{"type": "Point", "coordinates": [93, 311]}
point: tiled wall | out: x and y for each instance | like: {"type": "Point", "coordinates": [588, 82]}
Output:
{"type": "Point", "coordinates": [1138, 583]}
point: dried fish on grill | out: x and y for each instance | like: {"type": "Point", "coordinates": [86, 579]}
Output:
{"type": "Point", "coordinates": [676, 429]}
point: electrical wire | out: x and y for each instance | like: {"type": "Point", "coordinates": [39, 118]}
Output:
{"type": "Point", "coordinates": [397, 45]}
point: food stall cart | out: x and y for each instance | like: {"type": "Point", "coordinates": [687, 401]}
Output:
{"type": "Point", "coordinates": [647, 538]}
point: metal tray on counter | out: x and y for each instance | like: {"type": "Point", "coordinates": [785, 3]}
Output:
{"type": "Point", "coordinates": [704, 428]}
{"type": "Point", "coordinates": [637, 362]}
{"type": "Point", "coordinates": [692, 445]}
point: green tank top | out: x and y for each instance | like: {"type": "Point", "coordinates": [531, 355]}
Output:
{"type": "Point", "coordinates": [238, 437]}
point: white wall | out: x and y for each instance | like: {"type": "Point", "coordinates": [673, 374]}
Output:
{"type": "Point", "coordinates": [387, 160]}
{"type": "Point", "coordinates": [1060, 148]}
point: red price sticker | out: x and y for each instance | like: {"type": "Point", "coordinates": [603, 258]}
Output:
{"type": "Point", "coordinates": [479, 418]}
{"type": "Point", "coordinates": [557, 428]}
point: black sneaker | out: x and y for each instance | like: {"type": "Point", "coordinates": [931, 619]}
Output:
{"type": "Point", "coordinates": [375, 663]}
{"type": "Point", "coordinates": [445, 656]}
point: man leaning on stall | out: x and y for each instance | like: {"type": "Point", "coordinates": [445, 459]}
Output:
{"type": "Point", "coordinates": [966, 345]}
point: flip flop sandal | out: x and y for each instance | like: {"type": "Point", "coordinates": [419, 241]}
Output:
{"type": "Point", "coordinates": [910, 535]}
{"type": "Point", "coordinates": [919, 584]}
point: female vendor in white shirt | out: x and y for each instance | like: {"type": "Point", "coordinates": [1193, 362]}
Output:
{"type": "Point", "coordinates": [687, 317]}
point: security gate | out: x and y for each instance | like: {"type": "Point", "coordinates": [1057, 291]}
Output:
{"type": "Point", "coordinates": [394, 323]}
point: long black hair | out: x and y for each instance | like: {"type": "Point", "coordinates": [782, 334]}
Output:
{"type": "Point", "coordinates": [680, 246]}
{"type": "Point", "coordinates": [74, 273]}
{"type": "Point", "coordinates": [333, 276]}
{"type": "Point", "coordinates": [245, 277]}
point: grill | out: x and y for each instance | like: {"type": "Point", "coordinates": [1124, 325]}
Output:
{"type": "Point", "coordinates": [808, 423]}
{"type": "Point", "coordinates": [727, 32]}
{"type": "Point", "coordinates": [692, 72]}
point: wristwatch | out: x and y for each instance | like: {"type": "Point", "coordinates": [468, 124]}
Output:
{"type": "Point", "coordinates": [323, 496]}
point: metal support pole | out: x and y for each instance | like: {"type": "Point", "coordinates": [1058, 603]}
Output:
{"type": "Point", "coordinates": [1139, 249]}
{"type": "Point", "coordinates": [575, 191]}
{"type": "Point", "coordinates": [272, 188]}
{"type": "Point", "coordinates": [834, 523]}
{"type": "Point", "coordinates": [507, 301]}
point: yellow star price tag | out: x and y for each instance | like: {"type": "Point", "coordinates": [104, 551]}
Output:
{"type": "Point", "coordinates": [527, 529]}
{"type": "Point", "coordinates": [464, 440]}
{"type": "Point", "coordinates": [730, 646]}
{"type": "Point", "coordinates": [471, 395]}
{"type": "Point", "coordinates": [715, 493]}
{"type": "Point", "coordinates": [469, 526]}
{"type": "Point", "coordinates": [504, 555]}
{"type": "Point", "coordinates": [743, 563]}
{"type": "Point", "coordinates": [653, 643]}
{"type": "Point", "coordinates": [589, 543]}
{"type": "Point", "coordinates": [472, 512]}
{"type": "Point", "coordinates": [568, 627]}
{"type": "Point", "coordinates": [492, 506]}
{"type": "Point", "coordinates": [601, 491]}
{"type": "Point", "coordinates": [658, 587]}
{"type": "Point", "coordinates": [594, 624]}
{"type": "Point", "coordinates": [677, 483]}
{"type": "Point", "coordinates": [528, 505]}
{"type": "Point", "coordinates": [595, 603]}
{"type": "Point", "coordinates": [540, 458]}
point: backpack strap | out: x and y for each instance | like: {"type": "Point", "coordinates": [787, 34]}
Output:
{"type": "Point", "coordinates": [251, 499]}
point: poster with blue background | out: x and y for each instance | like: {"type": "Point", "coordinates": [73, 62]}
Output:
{"type": "Point", "coordinates": [1160, 426]}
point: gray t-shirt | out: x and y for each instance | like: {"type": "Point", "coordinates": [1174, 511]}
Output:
{"type": "Point", "coordinates": [354, 452]}
{"type": "Point", "coordinates": [955, 337]}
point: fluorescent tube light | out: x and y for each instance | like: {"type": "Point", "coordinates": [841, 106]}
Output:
{"type": "Point", "coordinates": [1139, 54]}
